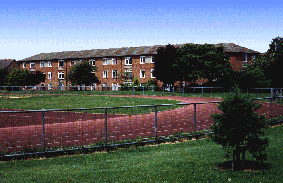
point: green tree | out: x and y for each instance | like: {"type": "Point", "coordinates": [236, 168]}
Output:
{"type": "Point", "coordinates": [239, 128]}
{"type": "Point", "coordinates": [163, 69]}
{"type": "Point", "coordinates": [19, 78]}
{"type": "Point", "coordinates": [202, 61]}
{"type": "Point", "coordinates": [274, 56]}
{"type": "Point", "coordinates": [82, 74]}
{"type": "Point", "coordinates": [3, 75]}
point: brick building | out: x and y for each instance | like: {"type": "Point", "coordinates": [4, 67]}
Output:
{"type": "Point", "coordinates": [10, 64]}
{"type": "Point", "coordinates": [116, 66]}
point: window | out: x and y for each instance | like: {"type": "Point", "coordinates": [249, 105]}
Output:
{"type": "Point", "coordinates": [152, 73]}
{"type": "Point", "coordinates": [60, 75]}
{"type": "Point", "coordinates": [92, 62]}
{"type": "Point", "coordinates": [49, 64]}
{"type": "Point", "coordinates": [114, 74]}
{"type": "Point", "coordinates": [49, 75]}
{"type": "Point", "coordinates": [253, 57]}
{"type": "Point", "coordinates": [142, 59]}
{"type": "Point", "coordinates": [114, 61]}
{"type": "Point", "coordinates": [41, 63]}
{"type": "Point", "coordinates": [24, 64]}
{"type": "Point", "coordinates": [244, 60]}
{"type": "Point", "coordinates": [153, 59]}
{"type": "Point", "coordinates": [104, 61]}
{"type": "Point", "coordinates": [32, 65]}
{"type": "Point", "coordinates": [60, 63]}
{"type": "Point", "coordinates": [72, 63]}
{"type": "Point", "coordinates": [142, 73]}
{"type": "Point", "coordinates": [128, 73]}
{"type": "Point", "coordinates": [128, 61]}
{"type": "Point", "coordinates": [105, 74]}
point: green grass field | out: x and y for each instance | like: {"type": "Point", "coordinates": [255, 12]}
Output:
{"type": "Point", "coordinates": [38, 102]}
{"type": "Point", "coordinates": [191, 161]}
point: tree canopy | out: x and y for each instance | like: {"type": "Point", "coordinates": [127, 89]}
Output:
{"type": "Point", "coordinates": [25, 78]}
{"type": "Point", "coordinates": [82, 74]}
{"type": "Point", "coordinates": [191, 62]}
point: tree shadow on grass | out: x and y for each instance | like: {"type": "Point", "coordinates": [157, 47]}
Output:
{"type": "Point", "coordinates": [248, 165]}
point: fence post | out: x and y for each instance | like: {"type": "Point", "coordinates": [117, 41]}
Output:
{"type": "Point", "coordinates": [133, 90]}
{"type": "Point", "coordinates": [155, 123]}
{"type": "Point", "coordinates": [195, 118]}
{"type": "Point", "coordinates": [43, 133]}
{"type": "Point", "coordinates": [143, 90]}
{"type": "Point", "coordinates": [106, 129]}
{"type": "Point", "coordinates": [202, 90]}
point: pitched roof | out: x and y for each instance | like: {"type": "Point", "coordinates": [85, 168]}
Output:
{"type": "Point", "coordinates": [124, 51]}
{"type": "Point", "coordinates": [4, 63]}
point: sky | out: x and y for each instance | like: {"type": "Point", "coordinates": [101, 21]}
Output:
{"type": "Point", "coordinates": [55, 25]}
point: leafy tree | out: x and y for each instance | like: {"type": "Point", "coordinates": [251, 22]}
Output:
{"type": "Point", "coordinates": [240, 128]}
{"type": "Point", "coordinates": [82, 74]}
{"type": "Point", "coordinates": [274, 55]}
{"type": "Point", "coordinates": [3, 75]}
{"type": "Point", "coordinates": [202, 61]}
{"type": "Point", "coordinates": [163, 69]}
{"type": "Point", "coordinates": [136, 82]}
{"type": "Point", "coordinates": [25, 78]}
{"type": "Point", "coordinates": [19, 78]}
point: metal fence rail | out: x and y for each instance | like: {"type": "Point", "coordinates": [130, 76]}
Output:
{"type": "Point", "coordinates": [41, 131]}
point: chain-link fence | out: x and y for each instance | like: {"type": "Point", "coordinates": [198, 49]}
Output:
{"type": "Point", "coordinates": [45, 131]}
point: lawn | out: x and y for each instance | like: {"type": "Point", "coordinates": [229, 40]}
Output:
{"type": "Point", "coordinates": [38, 102]}
{"type": "Point", "coordinates": [190, 161]}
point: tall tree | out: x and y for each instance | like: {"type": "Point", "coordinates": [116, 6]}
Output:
{"type": "Point", "coordinates": [202, 61]}
{"type": "Point", "coordinates": [19, 78]}
{"type": "Point", "coordinates": [239, 128]}
{"type": "Point", "coordinates": [275, 56]}
{"type": "Point", "coordinates": [82, 74]}
{"type": "Point", "coordinates": [163, 69]}
{"type": "Point", "coordinates": [3, 75]}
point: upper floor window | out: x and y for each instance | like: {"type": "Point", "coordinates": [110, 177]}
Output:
{"type": "Point", "coordinates": [60, 75]}
{"type": "Point", "coordinates": [128, 61]}
{"type": "Point", "coordinates": [72, 63]}
{"type": "Point", "coordinates": [105, 74]}
{"type": "Point", "coordinates": [41, 63]}
{"type": "Point", "coordinates": [49, 64]}
{"type": "Point", "coordinates": [32, 65]}
{"type": "Point", "coordinates": [92, 62]}
{"type": "Point", "coordinates": [153, 59]}
{"type": "Point", "coordinates": [142, 73]}
{"type": "Point", "coordinates": [152, 73]}
{"type": "Point", "coordinates": [104, 61]}
{"type": "Point", "coordinates": [142, 59]}
{"type": "Point", "coordinates": [49, 75]}
{"type": "Point", "coordinates": [60, 63]}
{"type": "Point", "coordinates": [244, 60]}
{"type": "Point", "coordinates": [114, 74]}
{"type": "Point", "coordinates": [114, 61]}
{"type": "Point", "coordinates": [24, 64]}
{"type": "Point", "coordinates": [253, 57]}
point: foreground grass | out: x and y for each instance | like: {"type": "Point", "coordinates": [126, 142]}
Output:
{"type": "Point", "coordinates": [38, 102]}
{"type": "Point", "coordinates": [191, 161]}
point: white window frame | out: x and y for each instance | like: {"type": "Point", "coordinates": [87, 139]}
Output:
{"type": "Point", "coordinates": [128, 71]}
{"type": "Point", "coordinates": [142, 73]}
{"type": "Point", "coordinates": [152, 59]}
{"type": "Point", "coordinates": [62, 62]}
{"type": "Point", "coordinates": [49, 75]}
{"type": "Point", "coordinates": [41, 63]}
{"type": "Point", "coordinates": [105, 61]}
{"type": "Point", "coordinates": [142, 59]}
{"type": "Point", "coordinates": [72, 63]}
{"type": "Point", "coordinates": [92, 62]}
{"type": "Point", "coordinates": [152, 76]}
{"type": "Point", "coordinates": [105, 74]}
{"type": "Point", "coordinates": [128, 61]}
{"type": "Point", "coordinates": [244, 61]}
{"type": "Point", "coordinates": [60, 74]}
{"type": "Point", "coordinates": [32, 63]}
{"type": "Point", "coordinates": [24, 65]}
{"type": "Point", "coordinates": [114, 61]}
{"type": "Point", "coordinates": [49, 64]}
{"type": "Point", "coordinates": [114, 74]}
{"type": "Point", "coordinates": [253, 57]}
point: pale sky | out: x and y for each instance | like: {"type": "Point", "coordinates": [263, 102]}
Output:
{"type": "Point", "coordinates": [54, 26]}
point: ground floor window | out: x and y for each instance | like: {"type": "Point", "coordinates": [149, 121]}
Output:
{"type": "Point", "coordinates": [60, 75]}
